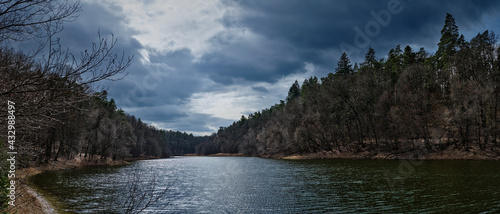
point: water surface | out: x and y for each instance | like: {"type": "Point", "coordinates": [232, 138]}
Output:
{"type": "Point", "coordinates": [258, 185]}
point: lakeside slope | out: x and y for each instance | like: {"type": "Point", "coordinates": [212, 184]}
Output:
{"type": "Point", "coordinates": [441, 155]}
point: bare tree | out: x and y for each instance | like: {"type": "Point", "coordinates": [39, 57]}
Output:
{"type": "Point", "coordinates": [51, 82]}
{"type": "Point", "coordinates": [138, 195]}
{"type": "Point", "coordinates": [27, 19]}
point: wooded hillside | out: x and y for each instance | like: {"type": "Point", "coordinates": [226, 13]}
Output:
{"type": "Point", "coordinates": [412, 101]}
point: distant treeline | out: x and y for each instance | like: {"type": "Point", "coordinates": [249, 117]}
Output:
{"type": "Point", "coordinates": [411, 101]}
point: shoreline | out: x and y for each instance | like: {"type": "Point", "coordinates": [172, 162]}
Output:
{"type": "Point", "coordinates": [216, 155]}
{"type": "Point", "coordinates": [30, 200]}
{"type": "Point", "coordinates": [441, 155]}
{"type": "Point", "coordinates": [416, 154]}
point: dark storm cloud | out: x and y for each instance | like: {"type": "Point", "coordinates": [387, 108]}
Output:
{"type": "Point", "coordinates": [322, 25]}
{"type": "Point", "coordinates": [260, 89]}
{"type": "Point", "coordinates": [162, 113]}
{"type": "Point", "coordinates": [229, 69]}
{"type": "Point", "coordinates": [168, 79]}
{"type": "Point", "coordinates": [252, 59]}
{"type": "Point", "coordinates": [94, 20]}
{"type": "Point", "coordinates": [306, 24]}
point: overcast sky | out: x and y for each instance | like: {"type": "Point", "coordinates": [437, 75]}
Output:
{"type": "Point", "coordinates": [199, 65]}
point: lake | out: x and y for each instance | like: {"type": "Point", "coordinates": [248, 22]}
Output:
{"type": "Point", "coordinates": [259, 185]}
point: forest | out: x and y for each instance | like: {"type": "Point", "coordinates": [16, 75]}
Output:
{"type": "Point", "coordinates": [413, 102]}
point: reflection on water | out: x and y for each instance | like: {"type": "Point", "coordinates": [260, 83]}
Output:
{"type": "Point", "coordinates": [257, 185]}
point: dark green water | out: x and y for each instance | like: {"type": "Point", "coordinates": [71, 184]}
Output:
{"type": "Point", "coordinates": [257, 185]}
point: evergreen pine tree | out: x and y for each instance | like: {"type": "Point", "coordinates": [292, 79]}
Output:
{"type": "Point", "coordinates": [409, 57]}
{"type": "Point", "coordinates": [293, 92]}
{"type": "Point", "coordinates": [370, 58]}
{"type": "Point", "coordinates": [448, 43]}
{"type": "Point", "coordinates": [344, 65]}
